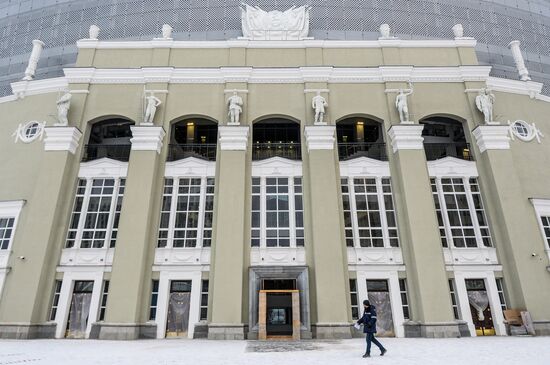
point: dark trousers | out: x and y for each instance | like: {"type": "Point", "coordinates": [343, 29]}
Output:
{"type": "Point", "coordinates": [372, 339]}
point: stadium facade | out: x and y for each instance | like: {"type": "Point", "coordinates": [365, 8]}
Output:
{"type": "Point", "coordinates": [260, 176]}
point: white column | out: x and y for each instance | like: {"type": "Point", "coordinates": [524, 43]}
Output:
{"type": "Point", "coordinates": [162, 304]}
{"type": "Point", "coordinates": [94, 304]}
{"type": "Point", "coordinates": [463, 302]}
{"type": "Point", "coordinates": [494, 302]}
{"type": "Point", "coordinates": [518, 59]}
{"type": "Point", "coordinates": [396, 304]}
{"type": "Point", "coordinates": [37, 47]}
{"type": "Point", "coordinates": [64, 305]}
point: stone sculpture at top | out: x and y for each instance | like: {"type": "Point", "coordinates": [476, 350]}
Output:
{"type": "Point", "coordinates": [484, 102]}
{"type": "Point", "coordinates": [234, 103]}
{"type": "Point", "coordinates": [319, 103]}
{"type": "Point", "coordinates": [291, 24]}
{"type": "Point", "coordinates": [151, 105]}
{"type": "Point", "coordinates": [63, 106]}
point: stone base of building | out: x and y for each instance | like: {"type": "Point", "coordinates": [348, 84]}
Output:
{"type": "Point", "coordinates": [436, 330]}
{"type": "Point", "coordinates": [542, 328]}
{"type": "Point", "coordinates": [123, 331]}
{"type": "Point", "coordinates": [27, 331]}
{"type": "Point", "coordinates": [330, 331]}
{"type": "Point", "coordinates": [226, 331]}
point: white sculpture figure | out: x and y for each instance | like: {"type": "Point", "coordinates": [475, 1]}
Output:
{"type": "Point", "coordinates": [167, 31]}
{"type": "Point", "coordinates": [518, 59]}
{"type": "Point", "coordinates": [385, 31]}
{"type": "Point", "coordinates": [235, 103]}
{"type": "Point", "coordinates": [37, 47]}
{"type": "Point", "coordinates": [319, 103]}
{"type": "Point", "coordinates": [258, 24]}
{"type": "Point", "coordinates": [151, 104]}
{"type": "Point", "coordinates": [401, 103]}
{"type": "Point", "coordinates": [484, 102]}
{"type": "Point", "coordinates": [63, 106]}
{"type": "Point", "coordinates": [458, 31]}
{"type": "Point", "coordinates": [93, 32]}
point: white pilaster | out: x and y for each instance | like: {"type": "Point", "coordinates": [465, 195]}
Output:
{"type": "Point", "coordinates": [519, 61]}
{"type": "Point", "coordinates": [147, 138]}
{"type": "Point", "coordinates": [233, 138]}
{"type": "Point", "coordinates": [320, 137]}
{"type": "Point", "coordinates": [406, 137]}
{"type": "Point", "coordinates": [62, 139]}
{"type": "Point", "coordinates": [492, 137]}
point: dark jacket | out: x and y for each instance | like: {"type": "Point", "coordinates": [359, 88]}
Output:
{"type": "Point", "coordinates": [369, 320]}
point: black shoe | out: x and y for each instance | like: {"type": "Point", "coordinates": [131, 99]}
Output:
{"type": "Point", "coordinates": [383, 352]}
{"type": "Point", "coordinates": [366, 355]}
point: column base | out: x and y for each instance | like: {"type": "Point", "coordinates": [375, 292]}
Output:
{"type": "Point", "coordinates": [27, 331]}
{"type": "Point", "coordinates": [331, 331]}
{"type": "Point", "coordinates": [436, 330]}
{"type": "Point", "coordinates": [542, 328]}
{"type": "Point", "coordinates": [222, 331]}
{"type": "Point", "coordinates": [201, 330]}
{"type": "Point", "coordinates": [123, 331]}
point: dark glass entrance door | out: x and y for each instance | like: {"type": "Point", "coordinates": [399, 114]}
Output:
{"type": "Point", "coordinates": [80, 309]}
{"type": "Point", "coordinates": [177, 323]}
{"type": "Point", "coordinates": [480, 308]}
{"type": "Point", "coordinates": [279, 314]}
{"type": "Point", "coordinates": [379, 296]}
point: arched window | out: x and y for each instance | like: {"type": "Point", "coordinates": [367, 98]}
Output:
{"type": "Point", "coordinates": [359, 137]}
{"type": "Point", "coordinates": [445, 137]}
{"type": "Point", "coordinates": [193, 137]}
{"type": "Point", "coordinates": [109, 138]}
{"type": "Point", "coordinates": [276, 137]}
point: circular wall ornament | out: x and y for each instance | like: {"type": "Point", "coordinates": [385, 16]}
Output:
{"type": "Point", "coordinates": [29, 131]}
{"type": "Point", "coordinates": [522, 130]}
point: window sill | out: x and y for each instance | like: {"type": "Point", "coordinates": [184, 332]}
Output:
{"type": "Point", "coordinates": [470, 256]}
{"type": "Point", "coordinates": [375, 256]}
{"type": "Point", "coordinates": [286, 256]}
{"type": "Point", "coordinates": [182, 256]}
{"type": "Point", "coordinates": [87, 257]}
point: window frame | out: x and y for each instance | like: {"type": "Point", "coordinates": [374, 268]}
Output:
{"type": "Point", "coordinates": [542, 210]}
{"type": "Point", "coordinates": [475, 226]}
{"type": "Point", "coordinates": [382, 211]}
{"type": "Point", "coordinates": [171, 229]}
{"type": "Point", "coordinates": [11, 210]}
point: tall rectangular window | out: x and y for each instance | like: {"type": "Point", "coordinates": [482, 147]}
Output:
{"type": "Point", "coordinates": [154, 300]}
{"type": "Point", "coordinates": [454, 302]}
{"type": "Point", "coordinates": [369, 212]}
{"type": "Point", "coordinates": [6, 231]}
{"type": "Point", "coordinates": [55, 300]}
{"type": "Point", "coordinates": [545, 221]}
{"type": "Point", "coordinates": [277, 215]}
{"type": "Point", "coordinates": [354, 299]}
{"type": "Point", "coordinates": [461, 216]}
{"type": "Point", "coordinates": [404, 298]}
{"type": "Point", "coordinates": [501, 295]}
{"type": "Point", "coordinates": [186, 213]}
{"type": "Point", "coordinates": [204, 301]}
{"type": "Point", "coordinates": [103, 303]}
{"type": "Point", "coordinates": [96, 213]}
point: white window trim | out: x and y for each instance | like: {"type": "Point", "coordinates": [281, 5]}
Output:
{"type": "Point", "coordinates": [542, 209]}
{"type": "Point", "coordinates": [11, 209]}
{"type": "Point", "coordinates": [103, 168]}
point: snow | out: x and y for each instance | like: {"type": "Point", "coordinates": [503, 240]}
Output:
{"type": "Point", "coordinates": [490, 350]}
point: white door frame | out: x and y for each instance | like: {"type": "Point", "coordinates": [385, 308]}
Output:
{"type": "Point", "coordinates": [395, 294]}
{"type": "Point", "coordinates": [66, 294]}
{"type": "Point", "coordinates": [488, 277]}
{"type": "Point", "coordinates": [163, 295]}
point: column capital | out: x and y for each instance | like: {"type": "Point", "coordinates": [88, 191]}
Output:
{"type": "Point", "coordinates": [406, 137]}
{"type": "Point", "coordinates": [62, 139]}
{"type": "Point", "coordinates": [233, 138]}
{"type": "Point", "coordinates": [320, 137]}
{"type": "Point", "coordinates": [492, 137]}
{"type": "Point", "coordinates": [147, 138]}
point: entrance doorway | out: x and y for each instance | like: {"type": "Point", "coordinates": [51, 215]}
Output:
{"type": "Point", "coordinates": [279, 309]}
{"type": "Point", "coordinates": [379, 296]}
{"type": "Point", "coordinates": [480, 308]}
{"type": "Point", "coordinates": [177, 323]}
{"type": "Point", "coordinates": [80, 309]}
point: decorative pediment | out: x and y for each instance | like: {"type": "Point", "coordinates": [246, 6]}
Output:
{"type": "Point", "coordinates": [277, 166]}
{"type": "Point", "coordinates": [364, 166]}
{"type": "Point", "coordinates": [451, 166]}
{"type": "Point", "coordinates": [104, 167]}
{"type": "Point", "coordinates": [190, 166]}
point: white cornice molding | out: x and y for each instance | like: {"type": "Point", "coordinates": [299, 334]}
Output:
{"type": "Point", "coordinates": [451, 166]}
{"type": "Point", "coordinates": [191, 167]}
{"type": "Point", "coordinates": [319, 137]}
{"type": "Point", "coordinates": [11, 208]}
{"type": "Point", "coordinates": [542, 206]}
{"type": "Point", "coordinates": [233, 138]}
{"type": "Point", "coordinates": [104, 167]}
{"type": "Point", "coordinates": [277, 166]}
{"type": "Point", "coordinates": [492, 137]}
{"type": "Point", "coordinates": [406, 137]}
{"type": "Point", "coordinates": [23, 88]}
{"type": "Point", "coordinates": [363, 166]}
{"type": "Point", "coordinates": [61, 139]}
{"type": "Point", "coordinates": [287, 75]}
{"type": "Point", "coordinates": [308, 43]}
{"type": "Point", "coordinates": [530, 88]}
{"type": "Point", "coordinates": [147, 138]}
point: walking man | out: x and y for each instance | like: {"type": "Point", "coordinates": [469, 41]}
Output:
{"type": "Point", "coordinates": [369, 327]}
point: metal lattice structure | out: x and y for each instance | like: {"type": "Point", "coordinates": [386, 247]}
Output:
{"type": "Point", "coordinates": [60, 23]}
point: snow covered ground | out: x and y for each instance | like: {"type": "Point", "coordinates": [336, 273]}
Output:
{"type": "Point", "coordinates": [493, 350]}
